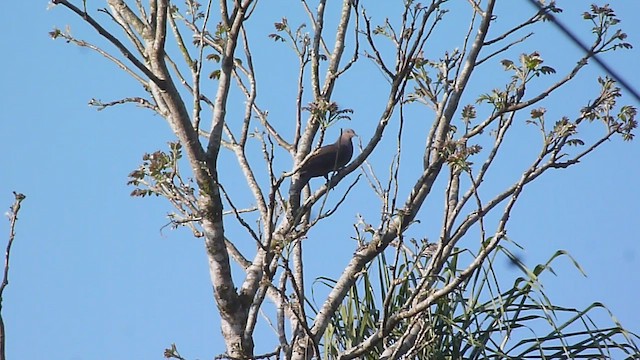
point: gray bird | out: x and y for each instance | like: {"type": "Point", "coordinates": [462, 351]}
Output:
{"type": "Point", "coordinates": [329, 158]}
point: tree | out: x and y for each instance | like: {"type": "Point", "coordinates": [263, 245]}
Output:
{"type": "Point", "coordinates": [435, 297]}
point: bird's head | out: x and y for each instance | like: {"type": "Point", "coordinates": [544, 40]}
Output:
{"type": "Point", "coordinates": [348, 134]}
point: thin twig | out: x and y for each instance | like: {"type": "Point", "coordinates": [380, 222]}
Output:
{"type": "Point", "coordinates": [13, 218]}
{"type": "Point", "coordinates": [118, 44]}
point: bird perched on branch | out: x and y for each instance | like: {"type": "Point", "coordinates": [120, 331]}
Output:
{"type": "Point", "coordinates": [328, 158]}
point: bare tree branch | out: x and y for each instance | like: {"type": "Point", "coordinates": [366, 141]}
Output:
{"type": "Point", "coordinates": [112, 39]}
{"type": "Point", "coordinates": [13, 219]}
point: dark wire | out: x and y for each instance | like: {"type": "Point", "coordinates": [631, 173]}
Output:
{"type": "Point", "coordinates": [618, 78]}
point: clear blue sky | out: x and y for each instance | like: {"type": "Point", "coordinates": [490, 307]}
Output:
{"type": "Point", "coordinates": [94, 277]}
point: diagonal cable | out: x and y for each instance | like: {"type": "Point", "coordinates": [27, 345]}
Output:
{"type": "Point", "coordinates": [614, 74]}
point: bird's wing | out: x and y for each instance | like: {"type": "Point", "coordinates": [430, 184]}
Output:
{"type": "Point", "coordinates": [321, 162]}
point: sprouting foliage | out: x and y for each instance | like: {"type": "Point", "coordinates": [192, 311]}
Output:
{"type": "Point", "coordinates": [603, 18]}
{"type": "Point", "coordinates": [458, 154]}
{"type": "Point", "coordinates": [469, 113]}
{"type": "Point", "coordinates": [326, 113]}
{"type": "Point", "coordinates": [432, 78]}
{"type": "Point", "coordinates": [603, 107]}
{"type": "Point", "coordinates": [158, 167]}
{"type": "Point", "coordinates": [159, 175]}
{"type": "Point", "coordinates": [298, 39]}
